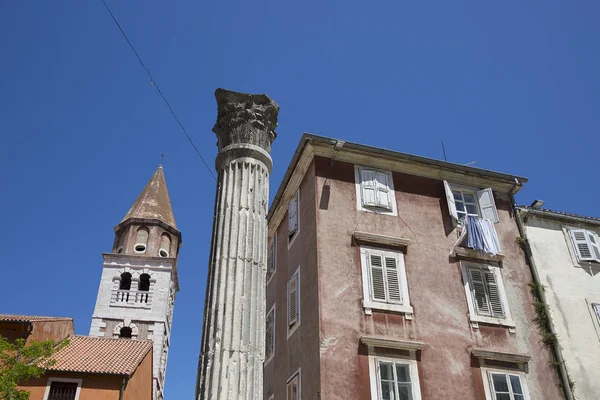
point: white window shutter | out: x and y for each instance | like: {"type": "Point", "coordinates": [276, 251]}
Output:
{"type": "Point", "coordinates": [582, 246]}
{"type": "Point", "coordinates": [383, 191]}
{"type": "Point", "coordinates": [293, 215]}
{"type": "Point", "coordinates": [378, 284]}
{"type": "Point", "coordinates": [368, 187]}
{"type": "Point", "coordinates": [393, 280]}
{"type": "Point", "coordinates": [478, 290]}
{"type": "Point", "coordinates": [494, 293]}
{"type": "Point", "coordinates": [595, 244]}
{"type": "Point", "coordinates": [487, 205]}
{"type": "Point", "coordinates": [451, 202]}
{"type": "Point", "coordinates": [293, 300]}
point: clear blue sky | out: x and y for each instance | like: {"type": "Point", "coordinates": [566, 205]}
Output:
{"type": "Point", "coordinates": [514, 87]}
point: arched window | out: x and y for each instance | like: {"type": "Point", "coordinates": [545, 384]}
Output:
{"type": "Point", "coordinates": [125, 333]}
{"type": "Point", "coordinates": [165, 245]}
{"type": "Point", "coordinates": [125, 283]}
{"type": "Point", "coordinates": [141, 240]}
{"type": "Point", "coordinates": [144, 282]}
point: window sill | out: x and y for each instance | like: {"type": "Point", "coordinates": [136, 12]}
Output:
{"type": "Point", "coordinates": [378, 210]}
{"type": "Point", "coordinates": [381, 240]}
{"type": "Point", "coordinates": [506, 322]}
{"type": "Point", "coordinates": [466, 253]}
{"type": "Point", "coordinates": [292, 329]}
{"type": "Point", "coordinates": [268, 360]}
{"type": "Point", "coordinates": [128, 305]}
{"type": "Point", "coordinates": [369, 306]}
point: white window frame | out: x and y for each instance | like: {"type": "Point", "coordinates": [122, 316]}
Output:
{"type": "Point", "coordinates": [595, 258]}
{"type": "Point", "coordinates": [68, 380]}
{"type": "Point", "coordinates": [292, 239]}
{"type": "Point", "coordinates": [298, 374]}
{"type": "Point", "coordinates": [374, 375]}
{"type": "Point", "coordinates": [272, 310]}
{"type": "Point", "coordinates": [595, 315]}
{"type": "Point", "coordinates": [272, 255]}
{"type": "Point", "coordinates": [392, 194]}
{"type": "Point", "coordinates": [292, 328]}
{"type": "Point", "coordinates": [476, 318]}
{"type": "Point", "coordinates": [369, 303]}
{"type": "Point", "coordinates": [487, 381]}
{"type": "Point", "coordinates": [483, 207]}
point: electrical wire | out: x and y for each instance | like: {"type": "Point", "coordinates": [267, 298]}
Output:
{"type": "Point", "coordinates": [153, 83]}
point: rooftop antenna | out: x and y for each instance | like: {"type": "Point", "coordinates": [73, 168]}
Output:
{"type": "Point", "coordinates": [444, 150]}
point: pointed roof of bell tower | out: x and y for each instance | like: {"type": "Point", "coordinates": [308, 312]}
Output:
{"type": "Point", "coordinates": [154, 201]}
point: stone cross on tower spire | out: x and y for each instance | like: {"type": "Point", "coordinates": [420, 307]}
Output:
{"type": "Point", "coordinates": [232, 353]}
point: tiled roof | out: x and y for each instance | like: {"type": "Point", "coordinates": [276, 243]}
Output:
{"type": "Point", "coordinates": [555, 213]}
{"type": "Point", "coordinates": [101, 355]}
{"type": "Point", "coordinates": [30, 318]}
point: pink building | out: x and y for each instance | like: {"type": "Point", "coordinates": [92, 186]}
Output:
{"type": "Point", "coordinates": [369, 298]}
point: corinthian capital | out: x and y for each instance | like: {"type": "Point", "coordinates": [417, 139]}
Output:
{"type": "Point", "coordinates": [245, 119]}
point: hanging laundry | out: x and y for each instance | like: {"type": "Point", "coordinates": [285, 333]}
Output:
{"type": "Point", "coordinates": [481, 235]}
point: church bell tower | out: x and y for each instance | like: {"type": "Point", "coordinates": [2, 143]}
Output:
{"type": "Point", "coordinates": [139, 277]}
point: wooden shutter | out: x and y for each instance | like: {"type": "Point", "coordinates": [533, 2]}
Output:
{"type": "Point", "coordinates": [480, 302]}
{"type": "Point", "coordinates": [383, 191]}
{"type": "Point", "coordinates": [493, 293]}
{"type": "Point", "coordinates": [487, 205]}
{"type": "Point", "coordinates": [293, 215]}
{"type": "Point", "coordinates": [393, 280]}
{"type": "Point", "coordinates": [582, 246]}
{"type": "Point", "coordinates": [451, 202]}
{"type": "Point", "coordinates": [594, 244]}
{"type": "Point", "coordinates": [378, 285]}
{"type": "Point", "coordinates": [368, 187]}
{"type": "Point", "coordinates": [270, 334]}
{"type": "Point", "coordinates": [293, 300]}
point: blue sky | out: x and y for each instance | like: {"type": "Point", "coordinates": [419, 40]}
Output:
{"type": "Point", "coordinates": [514, 87]}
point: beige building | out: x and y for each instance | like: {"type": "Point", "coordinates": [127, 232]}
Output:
{"type": "Point", "coordinates": [566, 255]}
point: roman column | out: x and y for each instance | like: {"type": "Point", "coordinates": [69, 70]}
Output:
{"type": "Point", "coordinates": [232, 353]}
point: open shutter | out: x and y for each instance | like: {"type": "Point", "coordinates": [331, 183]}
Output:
{"type": "Point", "coordinates": [293, 300]}
{"type": "Point", "coordinates": [494, 293]}
{"type": "Point", "coordinates": [451, 202]}
{"type": "Point", "coordinates": [271, 257]}
{"type": "Point", "coordinates": [582, 246]}
{"type": "Point", "coordinates": [595, 245]}
{"type": "Point", "coordinates": [487, 206]}
{"type": "Point", "coordinates": [293, 215]}
{"type": "Point", "coordinates": [368, 187]}
{"type": "Point", "coordinates": [393, 280]}
{"type": "Point", "coordinates": [478, 290]}
{"type": "Point", "coordinates": [269, 334]}
{"type": "Point", "coordinates": [377, 277]}
{"type": "Point", "coordinates": [383, 191]}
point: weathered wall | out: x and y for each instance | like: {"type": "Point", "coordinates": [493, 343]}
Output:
{"type": "Point", "coordinates": [441, 317]}
{"type": "Point", "coordinates": [139, 386]}
{"type": "Point", "coordinates": [301, 350]}
{"type": "Point", "coordinates": [93, 387]}
{"type": "Point", "coordinates": [569, 288]}
{"type": "Point", "coordinates": [51, 330]}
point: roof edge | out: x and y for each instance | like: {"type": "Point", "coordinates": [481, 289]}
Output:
{"type": "Point", "coordinates": [558, 215]}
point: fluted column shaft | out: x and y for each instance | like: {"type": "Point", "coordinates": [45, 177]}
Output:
{"type": "Point", "coordinates": [232, 354]}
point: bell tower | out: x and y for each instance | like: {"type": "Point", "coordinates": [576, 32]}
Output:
{"type": "Point", "coordinates": [139, 277]}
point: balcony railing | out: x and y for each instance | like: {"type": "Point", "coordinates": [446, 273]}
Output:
{"type": "Point", "coordinates": [131, 297]}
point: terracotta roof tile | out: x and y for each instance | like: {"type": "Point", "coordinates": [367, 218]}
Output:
{"type": "Point", "coordinates": [30, 318]}
{"type": "Point", "coordinates": [101, 355]}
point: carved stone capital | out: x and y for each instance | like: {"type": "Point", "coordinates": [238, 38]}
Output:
{"type": "Point", "coordinates": [245, 119]}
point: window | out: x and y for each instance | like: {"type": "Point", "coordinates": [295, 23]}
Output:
{"type": "Point", "coordinates": [141, 240]}
{"type": "Point", "coordinates": [293, 387]}
{"type": "Point", "coordinates": [272, 258]}
{"type": "Point", "coordinates": [394, 378]}
{"type": "Point", "coordinates": [125, 282]}
{"type": "Point", "coordinates": [504, 385]}
{"type": "Point", "coordinates": [375, 190]}
{"type": "Point", "coordinates": [485, 293]}
{"type": "Point", "coordinates": [293, 302]}
{"type": "Point", "coordinates": [62, 389]}
{"type": "Point", "coordinates": [125, 333]}
{"type": "Point", "coordinates": [596, 307]}
{"type": "Point", "coordinates": [384, 281]}
{"type": "Point", "coordinates": [293, 217]}
{"type": "Point", "coordinates": [144, 287]}
{"type": "Point", "coordinates": [270, 335]}
{"type": "Point", "coordinates": [165, 245]}
{"type": "Point", "coordinates": [463, 201]}
{"type": "Point", "coordinates": [586, 245]}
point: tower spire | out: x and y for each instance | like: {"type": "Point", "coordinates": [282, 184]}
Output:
{"type": "Point", "coordinates": [154, 201]}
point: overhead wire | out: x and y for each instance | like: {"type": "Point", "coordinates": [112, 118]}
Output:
{"type": "Point", "coordinates": [155, 84]}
